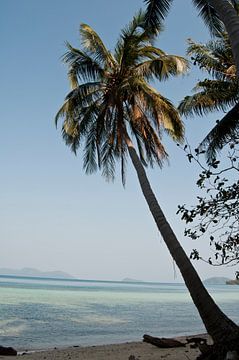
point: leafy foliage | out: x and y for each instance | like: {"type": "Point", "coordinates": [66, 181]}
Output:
{"type": "Point", "coordinates": [216, 215]}
{"type": "Point", "coordinates": [209, 16]}
{"type": "Point", "coordinates": [112, 102]}
{"type": "Point", "coordinates": [219, 92]}
{"type": "Point", "coordinates": [157, 10]}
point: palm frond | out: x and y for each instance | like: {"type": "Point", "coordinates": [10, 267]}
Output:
{"type": "Point", "coordinates": [108, 160]}
{"type": "Point", "coordinates": [81, 66]}
{"type": "Point", "coordinates": [71, 134]}
{"type": "Point", "coordinates": [163, 67]}
{"type": "Point", "coordinates": [62, 112]}
{"type": "Point", "coordinates": [150, 52]}
{"type": "Point", "coordinates": [82, 96]}
{"type": "Point", "coordinates": [135, 27]}
{"type": "Point", "coordinates": [86, 93]}
{"type": "Point", "coordinates": [134, 38]}
{"type": "Point", "coordinates": [156, 12]}
{"type": "Point", "coordinates": [171, 121]}
{"type": "Point", "coordinates": [90, 150]}
{"type": "Point", "coordinates": [160, 110]}
{"type": "Point", "coordinates": [225, 130]}
{"type": "Point", "coordinates": [149, 145]}
{"type": "Point", "coordinates": [171, 66]}
{"type": "Point", "coordinates": [215, 57]}
{"type": "Point", "coordinates": [154, 148]}
{"type": "Point", "coordinates": [209, 16]}
{"type": "Point", "coordinates": [216, 96]}
{"type": "Point", "coordinates": [92, 42]}
{"type": "Point", "coordinates": [203, 56]}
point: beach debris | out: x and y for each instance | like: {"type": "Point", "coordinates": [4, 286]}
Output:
{"type": "Point", "coordinates": [7, 351]}
{"type": "Point", "coordinates": [162, 342]}
{"type": "Point", "coordinates": [201, 344]}
{"type": "Point", "coordinates": [196, 341]}
{"type": "Point", "coordinates": [132, 357]}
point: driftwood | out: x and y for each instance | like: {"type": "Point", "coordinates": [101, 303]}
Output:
{"type": "Point", "coordinates": [162, 342]}
{"type": "Point", "coordinates": [7, 351]}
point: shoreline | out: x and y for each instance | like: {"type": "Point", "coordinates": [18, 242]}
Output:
{"type": "Point", "coordinates": [137, 350]}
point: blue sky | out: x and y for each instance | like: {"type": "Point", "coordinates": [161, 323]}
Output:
{"type": "Point", "coordinates": [54, 217]}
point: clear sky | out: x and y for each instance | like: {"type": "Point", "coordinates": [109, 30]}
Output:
{"type": "Point", "coordinates": [53, 216]}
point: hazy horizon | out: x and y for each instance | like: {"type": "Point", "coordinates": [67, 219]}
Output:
{"type": "Point", "coordinates": [61, 275]}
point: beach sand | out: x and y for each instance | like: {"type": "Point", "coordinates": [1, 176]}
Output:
{"type": "Point", "coordinates": [140, 350]}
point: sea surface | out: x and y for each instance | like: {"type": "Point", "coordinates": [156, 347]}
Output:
{"type": "Point", "coordinates": [37, 313]}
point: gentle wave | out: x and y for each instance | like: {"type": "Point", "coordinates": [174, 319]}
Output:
{"type": "Point", "coordinates": [37, 313]}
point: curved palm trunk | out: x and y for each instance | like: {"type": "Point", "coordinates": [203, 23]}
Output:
{"type": "Point", "coordinates": [218, 325]}
{"type": "Point", "coordinates": [229, 17]}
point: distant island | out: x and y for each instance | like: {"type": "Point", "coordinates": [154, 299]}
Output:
{"type": "Point", "coordinates": [232, 282]}
{"type": "Point", "coordinates": [216, 281]}
{"type": "Point", "coordinates": [31, 272]}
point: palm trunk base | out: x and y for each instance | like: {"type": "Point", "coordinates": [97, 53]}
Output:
{"type": "Point", "coordinates": [223, 350]}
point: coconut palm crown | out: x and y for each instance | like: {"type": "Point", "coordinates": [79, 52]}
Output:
{"type": "Point", "coordinates": [219, 92]}
{"type": "Point", "coordinates": [112, 102]}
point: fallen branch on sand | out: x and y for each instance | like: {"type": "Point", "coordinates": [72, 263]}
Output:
{"type": "Point", "coordinates": [162, 342]}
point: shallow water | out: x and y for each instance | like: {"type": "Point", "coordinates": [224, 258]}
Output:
{"type": "Point", "coordinates": [40, 313]}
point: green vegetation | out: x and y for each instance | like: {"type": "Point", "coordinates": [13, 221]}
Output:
{"type": "Point", "coordinates": [218, 92]}
{"type": "Point", "coordinates": [215, 216]}
{"type": "Point", "coordinates": [115, 103]}
{"type": "Point", "coordinates": [213, 12]}
{"type": "Point", "coordinates": [157, 10]}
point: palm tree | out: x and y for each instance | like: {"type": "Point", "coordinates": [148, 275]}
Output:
{"type": "Point", "coordinates": [221, 92]}
{"type": "Point", "coordinates": [111, 107]}
{"type": "Point", "coordinates": [213, 13]}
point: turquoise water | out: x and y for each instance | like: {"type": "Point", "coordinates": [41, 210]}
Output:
{"type": "Point", "coordinates": [43, 313]}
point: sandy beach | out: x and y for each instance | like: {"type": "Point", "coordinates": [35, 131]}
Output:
{"type": "Point", "coordinates": [125, 351]}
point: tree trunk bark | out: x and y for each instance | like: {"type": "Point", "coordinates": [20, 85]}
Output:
{"type": "Point", "coordinates": [229, 17]}
{"type": "Point", "coordinates": [218, 325]}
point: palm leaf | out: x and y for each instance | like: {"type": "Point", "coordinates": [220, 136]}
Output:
{"type": "Point", "coordinates": [85, 95]}
{"type": "Point", "coordinates": [216, 96]}
{"type": "Point", "coordinates": [225, 130]}
{"type": "Point", "coordinates": [215, 57]}
{"type": "Point", "coordinates": [79, 98]}
{"type": "Point", "coordinates": [156, 11]}
{"type": "Point", "coordinates": [168, 65]}
{"type": "Point", "coordinates": [134, 37]}
{"type": "Point", "coordinates": [209, 16]}
{"type": "Point", "coordinates": [92, 42]}
{"type": "Point", "coordinates": [71, 134]}
{"type": "Point", "coordinates": [161, 111]}
{"type": "Point", "coordinates": [145, 134]}
{"type": "Point", "coordinates": [90, 150]}
{"type": "Point", "coordinates": [81, 66]}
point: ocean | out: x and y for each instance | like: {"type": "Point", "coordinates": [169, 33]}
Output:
{"type": "Point", "coordinates": [37, 313]}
